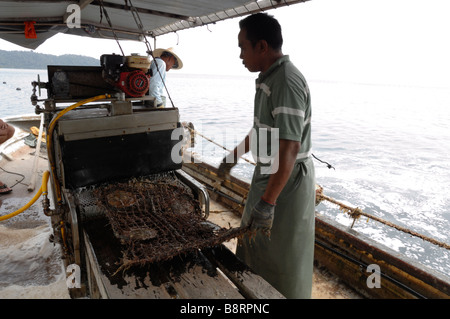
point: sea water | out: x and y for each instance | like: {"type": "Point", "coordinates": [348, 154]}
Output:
{"type": "Point", "coordinates": [387, 144]}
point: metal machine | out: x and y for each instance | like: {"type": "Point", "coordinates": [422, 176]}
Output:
{"type": "Point", "coordinates": [120, 198]}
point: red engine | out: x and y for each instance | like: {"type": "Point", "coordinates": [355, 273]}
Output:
{"type": "Point", "coordinates": [119, 72]}
{"type": "Point", "coordinates": [134, 83]}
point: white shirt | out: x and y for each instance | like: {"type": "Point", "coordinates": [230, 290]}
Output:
{"type": "Point", "coordinates": [157, 80]}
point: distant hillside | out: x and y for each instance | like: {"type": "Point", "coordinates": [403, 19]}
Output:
{"type": "Point", "coordinates": [33, 60]}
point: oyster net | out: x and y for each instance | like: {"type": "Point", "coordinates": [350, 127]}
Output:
{"type": "Point", "coordinates": [157, 220]}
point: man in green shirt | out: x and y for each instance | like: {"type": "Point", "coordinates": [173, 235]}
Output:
{"type": "Point", "coordinates": [281, 201]}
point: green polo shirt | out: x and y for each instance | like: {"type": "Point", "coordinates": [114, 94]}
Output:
{"type": "Point", "coordinates": [282, 110]}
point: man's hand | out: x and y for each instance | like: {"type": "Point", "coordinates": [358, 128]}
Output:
{"type": "Point", "coordinates": [225, 168]}
{"type": "Point", "coordinates": [3, 125]}
{"type": "Point", "coordinates": [261, 217]}
{"type": "Point", "coordinates": [232, 158]}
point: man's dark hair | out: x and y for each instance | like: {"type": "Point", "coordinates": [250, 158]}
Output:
{"type": "Point", "coordinates": [168, 54]}
{"type": "Point", "coordinates": [261, 26]}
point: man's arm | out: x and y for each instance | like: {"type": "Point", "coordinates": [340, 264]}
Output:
{"type": "Point", "coordinates": [232, 158]}
{"type": "Point", "coordinates": [262, 214]}
{"type": "Point", "coordinates": [287, 156]}
{"type": "Point", "coordinates": [6, 131]}
{"type": "Point", "coordinates": [3, 125]}
{"type": "Point", "coordinates": [156, 81]}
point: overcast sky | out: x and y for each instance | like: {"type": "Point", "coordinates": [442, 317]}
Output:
{"type": "Point", "coordinates": [383, 41]}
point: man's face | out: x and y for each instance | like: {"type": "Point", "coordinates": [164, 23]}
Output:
{"type": "Point", "coordinates": [170, 62]}
{"type": "Point", "coordinates": [249, 54]}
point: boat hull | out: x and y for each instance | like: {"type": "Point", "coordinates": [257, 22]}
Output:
{"type": "Point", "coordinates": [24, 122]}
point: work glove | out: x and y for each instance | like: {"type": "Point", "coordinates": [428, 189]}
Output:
{"type": "Point", "coordinates": [261, 217]}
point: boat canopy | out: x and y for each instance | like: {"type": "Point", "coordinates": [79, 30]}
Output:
{"type": "Point", "coordinates": [29, 23]}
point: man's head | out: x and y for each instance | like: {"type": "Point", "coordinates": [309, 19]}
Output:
{"type": "Point", "coordinates": [170, 60]}
{"type": "Point", "coordinates": [169, 57]}
{"type": "Point", "coordinates": [260, 40]}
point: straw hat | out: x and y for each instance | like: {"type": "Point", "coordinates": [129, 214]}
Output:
{"type": "Point", "coordinates": [158, 52]}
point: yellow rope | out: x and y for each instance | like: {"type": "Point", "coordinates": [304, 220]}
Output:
{"type": "Point", "coordinates": [356, 213]}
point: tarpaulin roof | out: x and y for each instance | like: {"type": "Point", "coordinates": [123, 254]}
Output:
{"type": "Point", "coordinates": [29, 23]}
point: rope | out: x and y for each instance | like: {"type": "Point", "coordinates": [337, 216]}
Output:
{"type": "Point", "coordinates": [140, 25]}
{"type": "Point", "coordinates": [102, 7]}
{"type": "Point", "coordinates": [215, 143]}
{"type": "Point", "coordinates": [354, 212]}
{"type": "Point", "coordinates": [326, 163]}
{"type": "Point", "coordinates": [17, 182]}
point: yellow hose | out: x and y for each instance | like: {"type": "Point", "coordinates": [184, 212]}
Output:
{"type": "Point", "coordinates": [49, 139]}
{"type": "Point", "coordinates": [45, 177]}
{"type": "Point", "coordinates": [42, 190]}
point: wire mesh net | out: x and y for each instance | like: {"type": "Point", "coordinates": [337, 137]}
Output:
{"type": "Point", "coordinates": [157, 219]}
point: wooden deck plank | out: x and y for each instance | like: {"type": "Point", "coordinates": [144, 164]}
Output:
{"type": "Point", "coordinates": [251, 285]}
{"type": "Point", "coordinates": [196, 284]}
